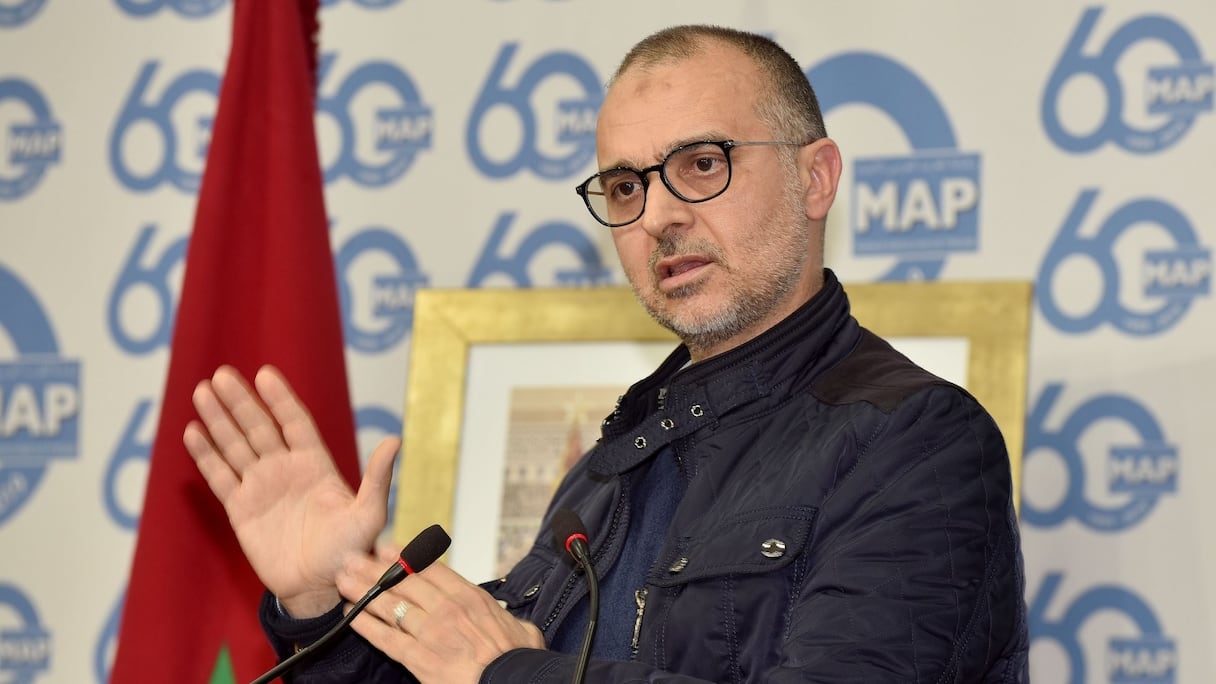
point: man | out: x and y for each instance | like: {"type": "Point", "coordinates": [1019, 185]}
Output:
{"type": "Point", "coordinates": [785, 499]}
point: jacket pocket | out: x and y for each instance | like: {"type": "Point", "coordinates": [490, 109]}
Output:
{"type": "Point", "coordinates": [731, 585]}
{"type": "Point", "coordinates": [522, 586]}
{"type": "Point", "coordinates": [756, 541]}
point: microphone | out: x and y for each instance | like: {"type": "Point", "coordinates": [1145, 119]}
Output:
{"type": "Point", "coordinates": [570, 534]}
{"type": "Point", "coordinates": [422, 550]}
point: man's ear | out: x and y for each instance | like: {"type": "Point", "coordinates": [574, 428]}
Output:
{"type": "Point", "coordinates": [819, 169]}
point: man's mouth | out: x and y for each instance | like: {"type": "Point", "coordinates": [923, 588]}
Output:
{"type": "Point", "coordinates": [676, 271]}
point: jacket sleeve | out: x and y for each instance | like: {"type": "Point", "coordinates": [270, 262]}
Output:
{"type": "Point", "coordinates": [913, 569]}
{"type": "Point", "coordinates": [545, 667]}
{"type": "Point", "coordinates": [348, 659]}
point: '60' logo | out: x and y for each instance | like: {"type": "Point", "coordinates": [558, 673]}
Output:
{"type": "Point", "coordinates": [16, 14]}
{"type": "Point", "coordinates": [370, 4]}
{"type": "Point", "coordinates": [381, 119]}
{"type": "Point", "coordinates": [377, 278]}
{"type": "Point", "coordinates": [554, 140]}
{"type": "Point", "coordinates": [137, 327]}
{"type": "Point", "coordinates": [1137, 473]}
{"type": "Point", "coordinates": [191, 9]}
{"type": "Point", "coordinates": [181, 119]}
{"type": "Point", "coordinates": [26, 646]}
{"type": "Point", "coordinates": [1171, 276]}
{"type": "Point", "coordinates": [29, 142]}
{"type": "Point", "coordinates": [1145, 657]}
{"type": "Point", "coordinates": [495, 260]}
{"type": "Point", "coordinates": [1178, 92]}
{"type": "Point", "coordinates": [131, 455]}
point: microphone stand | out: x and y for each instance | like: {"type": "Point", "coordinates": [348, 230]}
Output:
{"type": "Point", "coordinates": [570, 533]}
{"type": "Point", "coordinates": [593, 593]}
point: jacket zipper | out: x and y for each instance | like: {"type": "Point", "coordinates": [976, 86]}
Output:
{"type": "Point", "coordinates": [640, 597]}
{"type": "Point", "coordinates": [568, 587]}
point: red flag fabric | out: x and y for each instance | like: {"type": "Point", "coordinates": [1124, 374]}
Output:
{"type": "Point", "coordinates": [258, 288]}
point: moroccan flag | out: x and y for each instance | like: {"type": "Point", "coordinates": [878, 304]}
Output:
{"type": "Point", "coordinates": [258, 288]}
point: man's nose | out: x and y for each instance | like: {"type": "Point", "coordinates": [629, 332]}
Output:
{"type": "Point", "coordinates": [663, 210]}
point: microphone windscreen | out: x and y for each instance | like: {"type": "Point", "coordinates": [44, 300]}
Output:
{"type": "Point", "coordinates": [567, 524]}
{"type": "Point", "coordinates": [426, 548]}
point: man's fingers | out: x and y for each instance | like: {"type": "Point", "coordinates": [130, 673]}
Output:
{"type": "Point", "coordinates": [440, 637]}
{"type": "Point", "coordinates": [358, 574]}
{"type": "Point", "coordinates": [251, 417]}
{"type": "Point", "coordinates": [397, 612]}
{"type": "Point", "coordinates": [214, 469]}
{"type": "Point", "coordinates": [387, 553]}
{"type": "Point", "coordinates": [378, 477]}
{"type": "Point", "coordinates": [226, 436]}
{"type": "Point", "coordinates": [400, 645]}
{"type": "Point", "coordinates": [439, 588]}
{"type": "Point", "coordinates": [298, 429]}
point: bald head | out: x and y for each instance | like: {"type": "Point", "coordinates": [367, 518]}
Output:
{"type": "Point", "coordinates": [786, 103]}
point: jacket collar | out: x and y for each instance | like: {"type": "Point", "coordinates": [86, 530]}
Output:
{"type": "Point", "coordinates": [675, 401]}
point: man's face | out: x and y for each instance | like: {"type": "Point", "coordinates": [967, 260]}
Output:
{"type": "Point", "coordinates": [722, 271]}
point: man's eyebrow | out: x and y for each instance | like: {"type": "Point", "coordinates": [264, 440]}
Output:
{"type": "Point", "coordinates": [666, 150]}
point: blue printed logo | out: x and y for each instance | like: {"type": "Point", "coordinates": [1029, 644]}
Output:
{"type": "Point", "coordinates": [1185, 89]}
{"type": "Point", "coordinates": [25, 648]}
{"type": "Point", "coordinates": [1136, 473]}
{"type": "Point", "coordinates": [1145, 657]}
{"type": "Point", "coordinates": [555, 139]}
{"type": "Point", "coordinates": [921, 204]}
{"type": "Point", "coordinates": [1177, 92]}
{"type": "Point", "coordinates": [143, 275]}
{"type": "Point", "coordinates": [39, 398]}
{"type": "Point", "coordinates": [1170, 279]}
{"type": "Point", "coordinates": [919, 207]}
{"type": "Point", "coordinates": [191, 9]}
{"type": "Point", "coordinates": [194, 9]}
{"type": "Point", "coordinates": [32, 140]}
{"type": "Point", "coordinates": [131, 451]}
{"type": "Point", "coordinates": [377, 302]}
{"type": "Point", "coordinates": [107, 641]}
{"type": "Point", "coordinates": [369, 4]}
{"type": "Point", "coordinates": [393, 123]}
{"type": "Point", "coordinates": [12, 16]}
{"type": "Point", "coordinates": [190, 98]}
{"type": "Point", "coordinates": [495, 260]}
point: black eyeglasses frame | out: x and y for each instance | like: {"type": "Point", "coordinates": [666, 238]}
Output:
{"type": "Point", "coordinates": [644, 174]}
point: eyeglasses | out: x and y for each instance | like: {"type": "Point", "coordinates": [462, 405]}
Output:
{"type": "Point", "coordinates": [695, 172]}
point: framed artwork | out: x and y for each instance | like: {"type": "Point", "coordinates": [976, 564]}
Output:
{"type": "Point", "coordinates": [506, 386]}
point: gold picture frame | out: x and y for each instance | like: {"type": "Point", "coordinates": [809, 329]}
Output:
{"type": "Point", "coordinates": [994, 317]}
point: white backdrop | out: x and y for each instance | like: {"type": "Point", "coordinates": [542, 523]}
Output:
{"type": "Point", "coordinates": [1070, 144]}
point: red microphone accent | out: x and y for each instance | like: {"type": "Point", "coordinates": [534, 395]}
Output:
{"type": "Point", "coordinates": [571, 538]}
{"type": "Point", "coordinates": [405, 566]}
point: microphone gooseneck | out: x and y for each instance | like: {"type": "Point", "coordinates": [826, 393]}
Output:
{"type": "Point", "coordinates": [570, 534]}
{"type": "Point", "coordinates": [422, 550]}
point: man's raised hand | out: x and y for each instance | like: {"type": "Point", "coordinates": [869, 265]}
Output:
{"type": "Point", "coordinates": [295, 517]}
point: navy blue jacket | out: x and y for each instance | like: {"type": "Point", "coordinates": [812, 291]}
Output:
{"type": "Point", "coordinates": [848, 517]}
